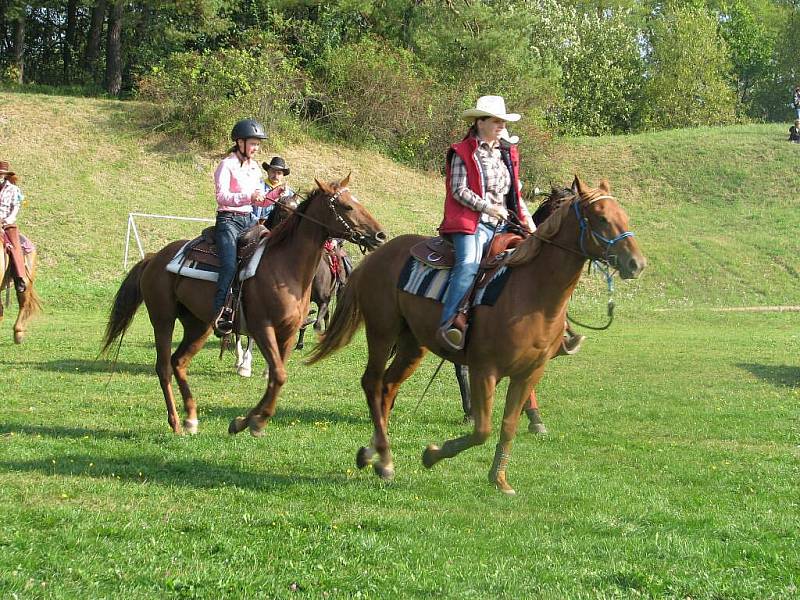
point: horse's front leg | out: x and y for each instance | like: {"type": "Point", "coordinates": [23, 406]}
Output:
{"type": "Point", "coordinates": [275, 352]}
{"type": "Point", "coordinates": [518, 394]}
{"type": "Point", "coordinates": [483, 386]}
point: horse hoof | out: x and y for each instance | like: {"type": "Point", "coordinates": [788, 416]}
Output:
{"type": "Point", "coordinates": [299, 347]}
{"type": "Point", "coordinates": [244, 372]}
{"type": "Point", "coordinates": [537, 428]}
{"type": "Point", "coordinates": [19, 337]}
{"type": "Point", "coordinates": [237, 425]}
{"type": "Point", "coordinates": [507, 490]}
{"type": "Point", "coordinates": [256, 427]}
{"type": "Point", "coordinates": [429, 456]}
{"type": "Point", "coordinates": [384, 472]}
{"type": "Point", "coordinates": [364, 457]}
{"type": "Point", "coordinates": [190, 426]}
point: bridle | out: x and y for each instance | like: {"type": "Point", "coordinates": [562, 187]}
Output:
{"type": "Point", "coordinates": [349, 234]}
{"type": "Point", "coordinates": [584, 226]}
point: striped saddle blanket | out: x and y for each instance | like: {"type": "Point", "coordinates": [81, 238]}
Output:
{"type": "Point", "coordinates": [186, 266]}
{"type": "Point", "coordinates": [420, 279]}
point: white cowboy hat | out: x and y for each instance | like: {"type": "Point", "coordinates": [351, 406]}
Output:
{"type": "Point", "coordinates": [511, 139]}
{"type": "Point", "coordinates": [490, 106]}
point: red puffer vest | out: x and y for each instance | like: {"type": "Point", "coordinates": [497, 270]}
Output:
{"type": "Point", "coordinates": [462, 219]}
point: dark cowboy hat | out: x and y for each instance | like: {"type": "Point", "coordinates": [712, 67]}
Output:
{"type": "Point", "coordinates": [276, 163]}
{"type": "Point", "coordinates": [5, 168]}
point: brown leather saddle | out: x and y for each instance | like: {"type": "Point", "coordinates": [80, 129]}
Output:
{"type": "Point", "coordinates": [203, 249]}
{"type": "Point", "coordinates": [438, 252]}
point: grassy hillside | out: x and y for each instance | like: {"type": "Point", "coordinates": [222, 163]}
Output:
{"type": "Point", "coordinates": [715, 210]}
{"type": "Point", "coordinates": [671, 466]}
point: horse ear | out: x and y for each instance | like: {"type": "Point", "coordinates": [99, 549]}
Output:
{"type": "Point", "coordinates": [576, 186]}
{"type": "Point", "coordinates": [323, 186]}
{"type": "Point", "coordinates": [343, 183]}
{"type": "Point", "coordinates": [605, 186]}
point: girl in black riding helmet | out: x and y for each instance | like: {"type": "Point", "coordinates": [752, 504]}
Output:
{"type": "Point", "coordinates": [238, 184]}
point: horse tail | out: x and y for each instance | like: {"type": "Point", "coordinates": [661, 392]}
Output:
{"type": "Point", "coordinates": [345, 321]}
{"type": "Point", "coordinates": [126, 303]}
{"type": "Point", "coordinates": [32, 305]}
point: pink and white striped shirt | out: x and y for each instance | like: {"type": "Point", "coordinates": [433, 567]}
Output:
{"type": "Point", "coordinates": [235, 183]}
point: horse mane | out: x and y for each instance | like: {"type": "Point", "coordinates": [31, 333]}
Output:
{"type": "Point", "coordinates": [555, 208]}
{"type": "Point", "coordinates": [287, 228]}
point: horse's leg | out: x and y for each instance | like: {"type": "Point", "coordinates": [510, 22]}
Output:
{"type": "Point", "coordinates": [322, 317]}
{"type": "Point", "coordinates": [275, 353]}
{"type": "Point", "coordinates": [379, 346]}
{"type": "Point", "coordinates": [300, 336]}
{"type": "Point", "coordinates": [195, 334]}
{"type": "Point", "coordinates": [482, 386]}
{"type": "Point", "coordinates": [244, 358]}
{"type": "Point", "coordinates": [406, 360]}
{"type": "Point", "coordinates": [519, 391]}
{"type": "Point", "coordinates": [162, 329]}
{"type": "Point", "coordinates": [23, 300]}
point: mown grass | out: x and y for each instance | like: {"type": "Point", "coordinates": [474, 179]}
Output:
{"type": "Point", "coordinates": [671, 468]}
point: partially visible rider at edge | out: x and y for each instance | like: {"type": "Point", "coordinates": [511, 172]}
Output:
{"type": "Point", "coordinates": [482, 187]}
{"type": "Point", "coordinates": [10, 201]}
{"type": "Point", "coordinates": [238, 185]}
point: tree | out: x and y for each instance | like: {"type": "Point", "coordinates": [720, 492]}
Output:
{"type": "Point", "coordinates": [114, 49]}
{"type": "Point", "coordinates": [689, 72]}
{"type": "Point", "coordinates": [94, 38]}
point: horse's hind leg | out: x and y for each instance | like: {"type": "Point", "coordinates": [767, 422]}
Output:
{"type": "Point", "coordinates": [406, 360]}
{"type": "Point", "coordinates": [195, 334]}
{"type": "Point", "coordinates": [379, 344]}
{"type": "Point", "coordinates": [162, 330]}
{"type": "Point", "coordinates": [482, 386]}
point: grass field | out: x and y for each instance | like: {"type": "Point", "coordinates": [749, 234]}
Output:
{"type": "Point", "coordinates": [671, 467]}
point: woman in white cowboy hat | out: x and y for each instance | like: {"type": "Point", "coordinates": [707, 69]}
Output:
{"type": "Point", "coordinates": [10, 201]}
{"type": "Point", "coordinates": [483, 193]}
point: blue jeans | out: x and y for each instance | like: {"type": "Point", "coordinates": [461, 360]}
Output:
{"type": "Point", "coordinates": [229, 227]}
{"type": "Point", "coordinates": [469, 249]}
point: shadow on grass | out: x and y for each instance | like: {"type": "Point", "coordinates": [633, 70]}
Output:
{"type": "Point", "coordinates": [82, 366]}
{"type": "Point", "coordinates": [194, 473]}
{"type": "Point", "coordinates": [51, 431]}
{"type": "Point", "coordinates": [286, 413]}
{"type": "Point", "coordinates": [778, 375]}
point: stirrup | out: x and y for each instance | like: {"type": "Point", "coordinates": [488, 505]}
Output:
{"type": "Point", "coordinates": [223, 324]}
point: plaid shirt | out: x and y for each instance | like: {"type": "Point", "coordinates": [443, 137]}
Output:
{"type": "Point", "coordinates": [495, 176]}
{"type": "Point", "coordinates": [10, 200]}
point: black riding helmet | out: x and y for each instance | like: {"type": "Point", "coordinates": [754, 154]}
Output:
{"type": "Point", "coordinates": [248, 128]}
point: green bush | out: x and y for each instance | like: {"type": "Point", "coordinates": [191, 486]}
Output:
{"type": "Point", "coordinates": [379, 95]}
{"type": "Point", "coordinates": [200, 95]}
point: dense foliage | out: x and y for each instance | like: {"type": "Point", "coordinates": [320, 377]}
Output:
{"type": "Point", "coordinates": [395, 73]}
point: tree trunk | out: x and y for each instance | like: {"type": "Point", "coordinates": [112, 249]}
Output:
{"type": "Point", "coordinates": [114, 49]}
{"type": "Point", "coordinates": [68, 47]}
{"type": "Point", "coordinates": [94, 39]}
{"type": "Point", "coordinates": [19, 46]}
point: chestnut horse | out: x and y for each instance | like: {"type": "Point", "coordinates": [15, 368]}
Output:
{"type": "Point", "coordinates": [29, 303]}
{"type": "Point", "coordinates": [514, 338]}
{"type": "Point", "coordinates": [275, 300]}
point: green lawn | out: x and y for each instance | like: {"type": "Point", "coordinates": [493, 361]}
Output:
{"type": "Point", "coordinates": [672, 465]}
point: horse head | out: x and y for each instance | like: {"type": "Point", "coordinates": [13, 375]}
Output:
{"type": "Point", "coordinates": [348, 218]}
{"type": "Point", "coordinates": [604, 233]}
